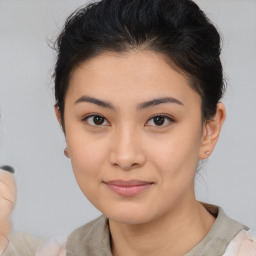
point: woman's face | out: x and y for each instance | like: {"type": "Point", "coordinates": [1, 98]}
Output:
{"type": "Point", "coordinates": [134, 131]}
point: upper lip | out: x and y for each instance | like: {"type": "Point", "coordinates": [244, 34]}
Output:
{"type": "Point", "coordinates": [127, 183]}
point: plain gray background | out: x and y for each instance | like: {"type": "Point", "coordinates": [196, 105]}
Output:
{"type": "Point", "coordinates": [49, 200]}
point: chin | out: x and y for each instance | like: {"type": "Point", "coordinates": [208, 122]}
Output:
{"type": "Point", "coordinates": [129, 216]}
{"type": "Point", "coordinates": [129, 220]}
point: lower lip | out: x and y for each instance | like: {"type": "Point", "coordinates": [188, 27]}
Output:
{"type": "Point", "coordinates": [129, 190]}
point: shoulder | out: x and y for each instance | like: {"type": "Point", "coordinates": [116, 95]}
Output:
{"type": "Point", "coordinates": [88, 229]}
{"type": "Point", "coordinates": [92, 238]}
{"type": "Point", "coordinates": [243, 244]}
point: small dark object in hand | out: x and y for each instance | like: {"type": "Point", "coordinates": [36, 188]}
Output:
{"type": "Point", "coordinates": [7, 168]}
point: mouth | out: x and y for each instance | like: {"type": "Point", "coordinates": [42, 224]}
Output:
{"type": "Point", "coordinates": [128, 188]}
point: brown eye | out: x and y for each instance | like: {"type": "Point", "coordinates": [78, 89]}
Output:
{"type": "Point", "coordinates": [95, 120]}
{"type": "Point", "coordinates": [98, 120]}
{"type": "Point", "coordinates": [160, 120]}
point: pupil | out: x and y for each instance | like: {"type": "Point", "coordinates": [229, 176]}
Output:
{"type": "Point", "coordinates": [98, 120]}
{"type": "Point", "coordinates": [159, 120]}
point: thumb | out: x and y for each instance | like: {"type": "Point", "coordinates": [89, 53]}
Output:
{"type": "Point", "coordinates": [7, 201]}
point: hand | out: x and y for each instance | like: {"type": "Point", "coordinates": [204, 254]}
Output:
{"type": "Point", "coordinates": [7, 201]}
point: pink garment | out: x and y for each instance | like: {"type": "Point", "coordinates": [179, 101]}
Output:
{"type": "Point", "coordinates": [243, 244]}
{"type": "Point", "coordinates": [53, 247]}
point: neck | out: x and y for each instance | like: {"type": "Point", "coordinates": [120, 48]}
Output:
{"type": "Point", "coordinates": [173, 234]}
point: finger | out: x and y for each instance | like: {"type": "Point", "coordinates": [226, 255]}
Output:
{"type": "Point", "coordinates": [7, 186]}
{"type": "Point", "coordinates": [7, 201]}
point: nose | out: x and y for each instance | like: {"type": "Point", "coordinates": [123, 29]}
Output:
{"type": "Point", "coordinates": [126, 150]}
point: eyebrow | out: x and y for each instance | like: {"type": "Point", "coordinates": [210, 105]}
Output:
{"type": "Point", "coordinates": [143, 105]}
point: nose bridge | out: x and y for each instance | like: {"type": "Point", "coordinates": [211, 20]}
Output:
{"type": "Point", "coordinates": [126, 150]}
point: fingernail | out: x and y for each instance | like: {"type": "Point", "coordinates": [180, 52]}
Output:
{"type": "Point", "coordinates": [7, 168]}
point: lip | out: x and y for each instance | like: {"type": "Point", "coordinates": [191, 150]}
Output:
{"type": "Point", "coordinates": [128, 187]}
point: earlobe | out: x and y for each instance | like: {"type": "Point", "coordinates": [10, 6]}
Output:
{"type": "Point", "coordinates": [66, 153]}
{"type": "Point", "coordinates": [211, 132]}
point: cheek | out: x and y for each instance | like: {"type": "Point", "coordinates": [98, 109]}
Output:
{"type": "Point", "coordinates": [87, 157]}
{"type": "Point", "coordinates": [176, 154]}
{"type": "Point", "coordinates": [175, 160]}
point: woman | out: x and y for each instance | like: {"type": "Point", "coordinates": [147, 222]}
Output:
{"type": "Point", "coordinates": [138, 86]}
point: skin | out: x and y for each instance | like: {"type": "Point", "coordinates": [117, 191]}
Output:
{"type": "Point", "coordinates": [7, 200]}
{"type": "Point", "coordinates": [165, 218]}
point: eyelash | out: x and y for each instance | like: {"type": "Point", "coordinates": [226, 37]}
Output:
{"type": "Point", "coordinates": [169, 118]}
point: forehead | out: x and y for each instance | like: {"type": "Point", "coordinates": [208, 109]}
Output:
{"type": "Point", "coordinates": [129, 77]}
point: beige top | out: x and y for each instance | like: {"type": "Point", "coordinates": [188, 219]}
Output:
{"type": "Point", "coordinates": [225, 238]}
{"type": "Point", "coordinates": [94, 237]}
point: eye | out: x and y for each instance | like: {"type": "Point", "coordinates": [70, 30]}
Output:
{"type": "Point", "coordinates": [95, 120]}
{"type": "Point", "coordinates": [160, 120]}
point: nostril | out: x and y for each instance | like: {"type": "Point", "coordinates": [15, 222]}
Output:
{"type": "Point", "coordinates": [7, 168]}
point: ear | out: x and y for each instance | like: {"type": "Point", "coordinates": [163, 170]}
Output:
{"type": "Point", "coordinates": [211, 132]}
{"type": "Point", "coordinates": [58, 115]}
